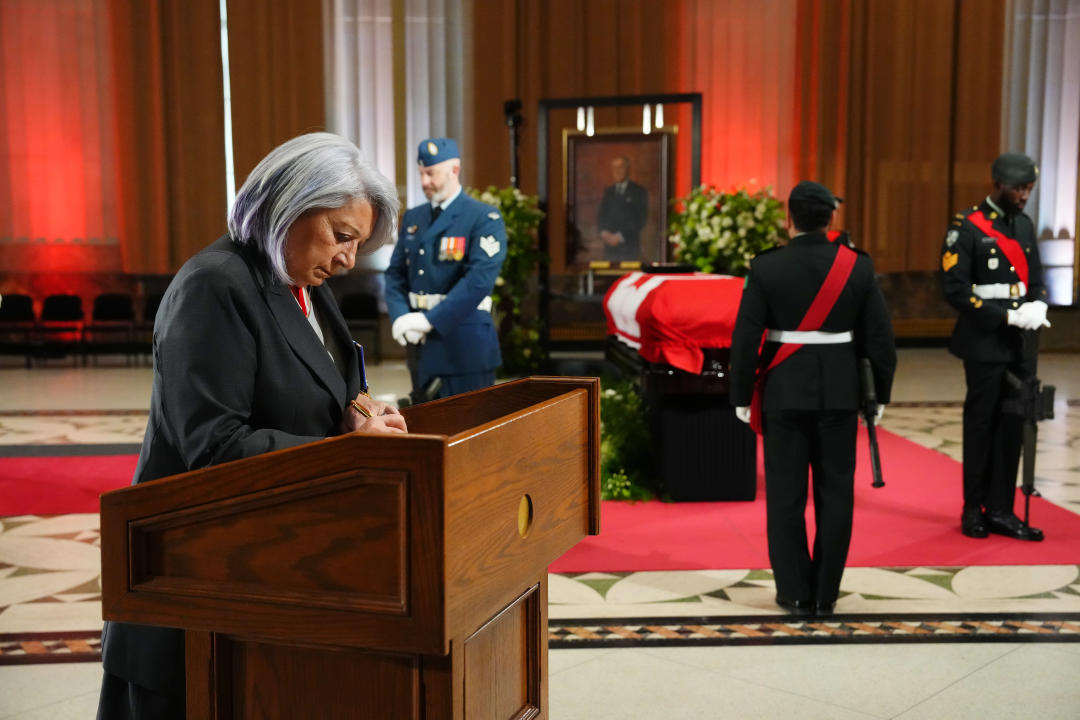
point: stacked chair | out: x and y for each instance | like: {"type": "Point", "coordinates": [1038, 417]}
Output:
{"type": "Point", "coordinates": [17, 323]}
{"type": "Point", "coordinates": [112, 326]}
{"type": "Point", "coordinates": [59, 330]}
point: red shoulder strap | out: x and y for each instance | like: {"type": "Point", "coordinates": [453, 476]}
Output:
{"type": "Point", "coordinates": [819, 309]}
{"type": "Point", "coordinates": [1008, 245]}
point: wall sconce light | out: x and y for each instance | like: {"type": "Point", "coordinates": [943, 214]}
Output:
{"type": "Point", "coordinates": [658, 117]}
{"type": "Point", "coordinates": [589, 121]}
{"type": "Point", "coordinates": [581, 119]}
{"type": "Point", "coordinates": [646, 120]}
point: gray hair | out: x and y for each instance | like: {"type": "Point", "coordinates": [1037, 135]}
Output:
{"type": "Point", "coordinates": [317, 170]}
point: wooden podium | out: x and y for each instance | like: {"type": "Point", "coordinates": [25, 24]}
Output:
{"type": "Point", "coordinates": [369, 576]}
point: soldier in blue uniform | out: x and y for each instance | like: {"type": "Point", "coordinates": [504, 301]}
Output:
{"type": "Point", "coordinates": [993, 276]}
{"type": "Point", "coordinates": [438, 285]}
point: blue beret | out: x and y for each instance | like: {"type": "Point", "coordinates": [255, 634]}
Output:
{"type": "Point", "coordinates": [436, 150]}
{"type": "Point", "coordinates": [1014, 169]}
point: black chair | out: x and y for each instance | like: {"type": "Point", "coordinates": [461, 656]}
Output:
{"type": "Point", "coordinates": [60, 328]}
{"type": "Point", "coordinates": [361, 312]}
{"type": "Point", "coordinates": [144, 328]}
{"type": "Point", "coordinates": [17, 325]}
{"type": "Point", "coordinates": [112, 326]}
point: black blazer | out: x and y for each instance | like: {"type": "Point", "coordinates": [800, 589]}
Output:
{"type": "Point", "coordinates": [779, 289]}
{"type": "Point", "coordinates": [624, 213]}
{"type": "Point", "coordinates": [238, 371]}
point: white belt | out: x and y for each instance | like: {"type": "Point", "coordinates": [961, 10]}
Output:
{"type": "Point", "coordinates": [424, 301]}
{"type": "Point", "coordinates": [809, 337]}
{"type": "Point", "coordinates": [1000, 291]}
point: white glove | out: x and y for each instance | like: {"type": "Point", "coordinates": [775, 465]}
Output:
{"type": "Point", "coordinates": [878, 413]}
{"type": "Point", "coordinates": [410, 328]}
{"type": "Point", "coordinates": [1014, 318]}
{"type": "Point", "coordinates": [1034, 313]}
{"type": "Point", "coordinates": [743, 413]}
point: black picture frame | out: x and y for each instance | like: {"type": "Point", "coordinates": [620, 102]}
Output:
{"type": "Point", "coordinates": [607, 225]}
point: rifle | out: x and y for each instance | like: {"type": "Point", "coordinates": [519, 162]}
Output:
{"type": "Point", "coordinates": [1033, 402]}
{"type": "Point", "coordinates": [869, 413]}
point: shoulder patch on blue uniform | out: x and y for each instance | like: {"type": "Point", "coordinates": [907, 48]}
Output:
{"type": "Point", "coordinates": [489, 244]}
{"type": "Point", "coordinates": [493, 215]}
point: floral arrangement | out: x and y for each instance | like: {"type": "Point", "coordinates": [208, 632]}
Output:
{"type": "Point", "coordinates": [626, 455]}
{"type": "Point", "coordinates": [518, 324]}
{"type": "Point", "coordinates": [720, 232]}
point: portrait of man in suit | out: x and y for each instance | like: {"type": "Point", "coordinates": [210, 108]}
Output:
{"type": "Point", "coordinates": [623, 212]}
{"type": "Point", "coordinates": [618, 184]}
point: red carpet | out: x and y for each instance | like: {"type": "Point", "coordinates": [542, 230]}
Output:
{"type": "Point", "coordinates": [913, 521]}
{"type": "Point", "coordinates": [60, 485]}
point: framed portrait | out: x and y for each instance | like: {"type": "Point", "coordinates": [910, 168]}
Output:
{"type": "Point", "coordinates": [617, 187]}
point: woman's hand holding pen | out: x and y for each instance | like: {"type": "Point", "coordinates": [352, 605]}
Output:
{"type": "Point", "coordinates": [367, 414]}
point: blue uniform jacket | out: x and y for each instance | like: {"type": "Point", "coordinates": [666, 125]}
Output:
{"type": "Point", "coordinates": [463, 338]}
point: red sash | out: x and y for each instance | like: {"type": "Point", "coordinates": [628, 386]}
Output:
{"type": "Point", "coordinates": [819, 309]}
{"type": "Point", "coordinates": [1008, 245]}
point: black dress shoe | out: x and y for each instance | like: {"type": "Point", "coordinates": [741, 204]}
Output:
{"type": "Point", "coordinates": [823, 609]}
{"type": "Point", "coordinates": [1011, 526]}
{"type": "Point", "coordinates": [973, 523]}
{"type": "Point", "coordinates": [796, 607]}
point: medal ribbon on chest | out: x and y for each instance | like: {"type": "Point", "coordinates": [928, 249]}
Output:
{"type": "Point", "coordinates": [451, 248]}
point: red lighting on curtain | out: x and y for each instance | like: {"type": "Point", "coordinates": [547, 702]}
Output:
{"type": "Point", "coordinates": [742, 62]}
{"type": "Point", "coordinates": [57, 184]}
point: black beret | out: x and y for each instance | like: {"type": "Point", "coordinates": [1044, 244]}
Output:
{"type": "Point", "coordinates": [808, 192]}
{"type": "Point", "coordinates": [1014, 169]}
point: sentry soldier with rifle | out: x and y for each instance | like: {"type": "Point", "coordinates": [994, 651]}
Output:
{"type": "Point", "coordinates": [820, 308]}
{"type": "Point", "coordinates": [992, 275]}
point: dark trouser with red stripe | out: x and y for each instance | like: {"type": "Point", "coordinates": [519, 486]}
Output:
{"type": "Point", "coordinates": [823, 442]}
{"type": "Point", "coordinates": [992, 439]}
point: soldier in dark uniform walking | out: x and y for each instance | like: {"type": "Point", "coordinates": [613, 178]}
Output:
{"type": "Point", "coordinates": [993, 277]}
{"type": "Point", "coordinates": [820, 308]}
{"type": "Point", "coordinates": [449, 254]}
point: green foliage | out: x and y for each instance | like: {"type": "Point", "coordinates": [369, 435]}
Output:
{"type": "Point", "coordinates": [720, 232]}
{"type": "Point", "coordinates": [626, 449]}
{"type": "Point", "coordinates": [518, 323]}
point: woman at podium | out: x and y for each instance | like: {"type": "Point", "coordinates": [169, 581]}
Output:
{"type": "Point", "coordinates": [251, 354]}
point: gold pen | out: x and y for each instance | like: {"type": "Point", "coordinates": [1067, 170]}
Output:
{"type": "Point", "coordinates": [360, 408]}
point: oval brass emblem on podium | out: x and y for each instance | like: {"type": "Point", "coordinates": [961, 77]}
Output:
{"type": "Point", "coordinates": [525, 515]}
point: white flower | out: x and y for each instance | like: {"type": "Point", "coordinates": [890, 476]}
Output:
{"type": "Point", "coordinates": [726, 221]}
{"type": "Point", "coordinates": [499, 282]}
{"type": "Point", "coordinates": [742, 232]}
{"type": "Point", "coordinates": [609, 393]}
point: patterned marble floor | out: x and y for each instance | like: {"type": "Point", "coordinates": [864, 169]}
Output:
{"type": "Point", "coordinates": [48, 565]}
{"type": "Point", "coordinates": [618, 623]}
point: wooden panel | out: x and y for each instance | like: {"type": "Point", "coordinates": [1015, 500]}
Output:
{"type": "Point", "coordinates": [276, 66]}
{"type": "Point", "coordinates": [899, 158]}
{"type": "Point", "coordinates": [503, 662]}
{"type": "Point", "coordinates": [420, 628]}
{"type": "Point", "coordinates": [465, 413]}
{"type": "Point", "coordinates": [194, 126]}
{"type": "Point", "coordinates": [307, 544]}
{"type": "Point", "coordinates": [486, 556]}
{"type": "Point", "coordinates": [977, 120]}
{"type": "Point", "coordinates": [260, 680]}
